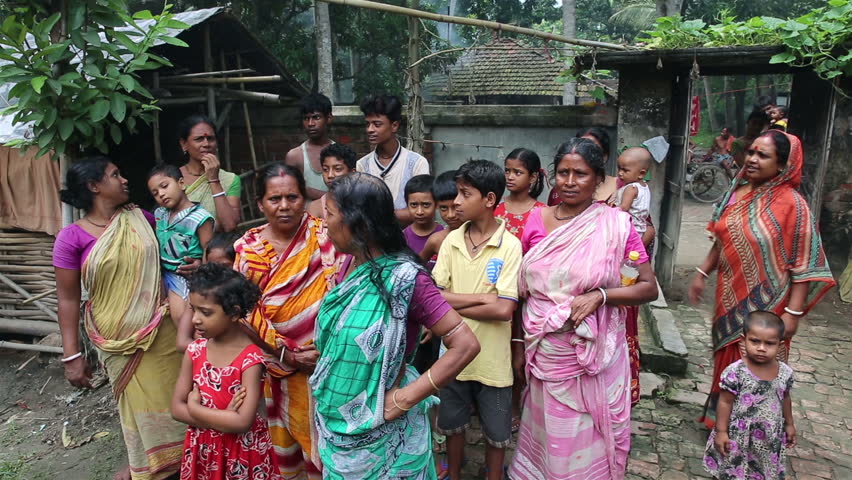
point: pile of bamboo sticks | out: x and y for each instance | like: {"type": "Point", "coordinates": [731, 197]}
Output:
{"type": "Point", "coordinates": [27, 285]}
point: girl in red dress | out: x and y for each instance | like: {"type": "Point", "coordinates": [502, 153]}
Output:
{"type": "Point", "coordinates": [525, 182]}
{"type": "Point", "coordinates": [220, 383]}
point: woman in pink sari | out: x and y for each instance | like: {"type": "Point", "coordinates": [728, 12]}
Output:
{"type": "Point", "coordinates": [576, 414]}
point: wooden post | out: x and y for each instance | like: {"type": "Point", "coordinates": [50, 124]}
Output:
{"type": "Point", "coordinates": [415, 100]}
{"type": "Point", "coordinates": [208, 66]}
{"type": "Point", "coordinates": [158, 152]}
{"type": "Point", "coordinates": [247, 119]}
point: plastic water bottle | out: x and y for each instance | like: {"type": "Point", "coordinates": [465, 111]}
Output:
{"type": "Point", "coordinates": [630, 269]}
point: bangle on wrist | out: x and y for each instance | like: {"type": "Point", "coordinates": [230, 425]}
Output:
{"type": "Point", "coordinates": [214, 181]}
{"type": "Point", "coordinates": [793, 312]}
{"type": "Point", "coordinates": [518, 340]}
{"type": "Point", "coordinates": [72, 357]}
{"type": "Point", "coordinates": [429, 376]}
{"type": "Point", "coordinates": [220, 194]}
{"type": "Point", "coordinates": [702, 272]}
{"type": "Point", "coordinates": [603, 292]}
{"type": "Point", "coordinates": [396, 404]}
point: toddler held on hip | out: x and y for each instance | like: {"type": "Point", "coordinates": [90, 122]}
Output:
{"type": "Point", "coordinates": [220, 384]}
{"type": "Point", "coordinates": [635, 196]}
{"type": "Point", "coordinates": [183, 230]}
{"type": "Point", "coordinates": [754, 421]}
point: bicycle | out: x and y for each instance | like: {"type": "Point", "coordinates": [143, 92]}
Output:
{"type": "Point", "coordinates": [708, 181]}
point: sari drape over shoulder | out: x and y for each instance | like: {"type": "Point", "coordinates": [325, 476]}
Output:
{"type": "Point", "coordinates": [293, 284]}
{"type": "Point", "coordinates": [361, 336]}
{"type": "Point", "coordinates": [126, 319]}
{"type": "Point", "coordinates": [576, 417]}
{"type": "Point", "coordinates": [199, 191]}
{"type": "Point", "coordinates": [768, 240]}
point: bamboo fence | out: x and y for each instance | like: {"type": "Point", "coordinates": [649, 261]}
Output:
{"type": "Point", "coordinates": [26, 267]}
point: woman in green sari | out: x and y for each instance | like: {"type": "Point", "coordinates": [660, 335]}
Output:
{"type": "Point", "coordinates": [217, 190]}
{"type": "Point", "coordinates": [371, 404]}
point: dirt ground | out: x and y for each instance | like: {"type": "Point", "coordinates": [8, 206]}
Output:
{"type": "Point", "coordinates": [36, 402]}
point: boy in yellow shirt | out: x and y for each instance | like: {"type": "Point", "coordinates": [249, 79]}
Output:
{"type": "Point", "coordinates": [477, 270]}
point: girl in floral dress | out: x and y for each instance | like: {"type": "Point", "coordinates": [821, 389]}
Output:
{"type": "Point", "coordinates": [754, 415]}
{"type": "Point", "coordinates": [219, 388]}
{"type": "Point", "coordinates": [525, 182]}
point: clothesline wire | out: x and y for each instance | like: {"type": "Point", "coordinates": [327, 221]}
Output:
{"type": "Point", "coordinates": [445, 143]}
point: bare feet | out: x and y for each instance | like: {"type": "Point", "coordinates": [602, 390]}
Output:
{"type": "Point", "coordinates": [123, 474]}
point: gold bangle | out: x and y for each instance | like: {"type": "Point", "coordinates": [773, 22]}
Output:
{"type": "Point", "coordinates": [429, 375]}
{"type": "Point", "coordinates": [453, 330]}
{"type": "Point", "coordinates": [396, 404]}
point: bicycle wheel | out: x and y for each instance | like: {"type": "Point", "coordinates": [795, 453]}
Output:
{"type": "Point", "coordinates": [709, 183]}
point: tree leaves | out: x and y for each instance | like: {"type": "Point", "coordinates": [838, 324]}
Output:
{"type": "Point", "coordinates": [99, 110]}
{"type": "Point", "coordinates": [818, 39]}
{"type": "Point", "coordinates": [91, 103]}
{"type": "Point", "coordinates": [37, 83]}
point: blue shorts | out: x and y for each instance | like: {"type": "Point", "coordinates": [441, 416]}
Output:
{"type": "Point", "coordinates": [176, 283]}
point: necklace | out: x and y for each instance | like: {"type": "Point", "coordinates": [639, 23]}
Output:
{"type": "Point", "coordinates": [475, 246]}
{"type": "Point", "coordinates": [562, 219]}
{"type": "Point", "coordinates": [93, 223]}
{"type": "Point", "coordinates": [193, 173]}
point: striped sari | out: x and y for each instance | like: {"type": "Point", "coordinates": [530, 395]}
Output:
{"type": "Point", "coordinates": [576, 409]}
{"type": "Point", "coordinates": [293, 285]}
{"type": "Point", "coordinates": [126, 319]}
{"type": "Point", "coordinates": [769, 240]}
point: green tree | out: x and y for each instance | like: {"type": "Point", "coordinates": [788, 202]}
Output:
{"type": "Point", "coordinates": [76, 70]}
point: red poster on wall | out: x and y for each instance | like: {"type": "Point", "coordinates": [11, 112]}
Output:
{"type": "Point", "coordinates": [695, 116]}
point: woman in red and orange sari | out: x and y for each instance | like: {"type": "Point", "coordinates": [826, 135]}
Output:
{"type": "Point", "coordinates": [767, 251]}
{"type": "Point", "coordinates": [294, 263]}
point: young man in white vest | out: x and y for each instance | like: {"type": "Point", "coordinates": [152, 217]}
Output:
{"type": "Point", "coordinates": [389, 160]}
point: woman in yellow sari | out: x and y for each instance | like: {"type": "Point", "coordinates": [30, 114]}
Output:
{"type": "Point", "coordinates": [114, 251]}
{"type": "Point", "coordinates": [294, 263]}
{"type": "Point", "coordinates": [217, 190]}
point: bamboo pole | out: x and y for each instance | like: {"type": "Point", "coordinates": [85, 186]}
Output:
{"type": "Point", "coordinates": [223, 72]}
{"type": "Point", "coordinates": [28, 327]}
{"type": "Point", "coordinates": [41, 306]}
{"type": "Point", "coordinates": [475, 23]}
{"type": "Point", "coordinates": [208, 65]}
{"type": "Point", "coordinates": [229, 80]}
{"type": "Point", "coordinates": [38, 297]}
{"type": "Point", "coordinates": [226, 134]}
{"type": "Point", "coordinates": [180, 100]}
{"type": "Point", "coordinates": [259, 97]}
{"type": "Point", "coordinates": [30, 348]}
{"type": "Point", "coordinates": [247, 119]}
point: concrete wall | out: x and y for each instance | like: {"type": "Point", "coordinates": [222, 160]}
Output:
{"type": "Point", "coordinates": [542, 140]}
{"type": "Point", "coordinates": [541, 128]}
